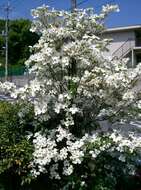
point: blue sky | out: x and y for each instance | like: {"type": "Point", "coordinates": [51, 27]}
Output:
{"type": "Point", "coordinates": [130, 10]}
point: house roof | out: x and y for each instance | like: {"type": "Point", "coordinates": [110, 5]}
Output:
{"type": "Point", "coordinates": [124, 28]}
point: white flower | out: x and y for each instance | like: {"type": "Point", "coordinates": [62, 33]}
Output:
{"type": "Point", "coordinates": [53, 172]}
{"type": "Point", "coordinates": [73, 109]}
{"type": "Point", "coordinates": [83, 183]}
{"type": "Point", "coordinates": [63, 153]}
{"type": "Point", "coordinates": [130, 96]}
{"type": "Point", "coordinates": [67, 169]}
{"type": "Point", "coordinates": [61, 134]}
{"type": "Point", "coordinates": [122, 158]}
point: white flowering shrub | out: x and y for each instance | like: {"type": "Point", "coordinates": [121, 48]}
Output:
{"type": "Point", "coordinates": [59, 145]}
{"type": "Point", "coordinates": [75, 87]}
{"type": "Point", "coordinates": [85, 159]}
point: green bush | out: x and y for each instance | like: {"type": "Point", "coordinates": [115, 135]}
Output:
{"type": "Point", "coordinates": [15, 148]}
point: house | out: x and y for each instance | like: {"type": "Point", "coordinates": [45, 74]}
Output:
{"type": "Point", "coordinates": [126, 42]}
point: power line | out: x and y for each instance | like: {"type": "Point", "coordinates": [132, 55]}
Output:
{"type": "Point", "coordinates": [82, 2]}
{"type": "Point", "coordinates": [98, 6]}
{"type": "Point", "coordinates": [107, 2]}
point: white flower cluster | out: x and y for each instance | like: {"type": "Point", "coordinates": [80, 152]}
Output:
{"type": "Point", "coordinates": [49, 154]}
{"type": "Point", "coordinates": [132, 142]}
{"type": "Point", "coordinates": [58, 146]}
{"type": "Point", "coordinates": [121, 146]}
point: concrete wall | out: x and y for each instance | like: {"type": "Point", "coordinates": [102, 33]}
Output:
{"type": "Point", "coordinates": [118, 39]}
{"type": "Point", "coordinates": [18, 80]}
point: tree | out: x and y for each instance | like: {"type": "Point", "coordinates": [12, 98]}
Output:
{"type": "Point", "coordinates": [20, 38]}
{"type": "Point", "coordinates": [74, 89]}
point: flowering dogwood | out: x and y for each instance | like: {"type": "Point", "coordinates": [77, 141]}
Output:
{"type": "Point", "coordinates": [74, 88]}
{"type": "Point", "coordinates": [47, 152]}
{"type": "Point", "coordinates": [72, 75]}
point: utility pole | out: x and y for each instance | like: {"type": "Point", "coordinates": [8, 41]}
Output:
{"type": "Point", "coordinates": [7, 10]}
{"type": "Point", "coordinates": [73, 5]}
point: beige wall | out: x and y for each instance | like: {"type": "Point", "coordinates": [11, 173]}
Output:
{"type": "Point", "coordinates": [118, 39]}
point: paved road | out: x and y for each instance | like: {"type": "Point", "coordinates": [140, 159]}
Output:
{"type": "Point", "coordinates": [6, 98]}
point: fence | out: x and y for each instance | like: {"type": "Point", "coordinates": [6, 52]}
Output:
{"type": "Point", "coordinates": [13, 71]}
